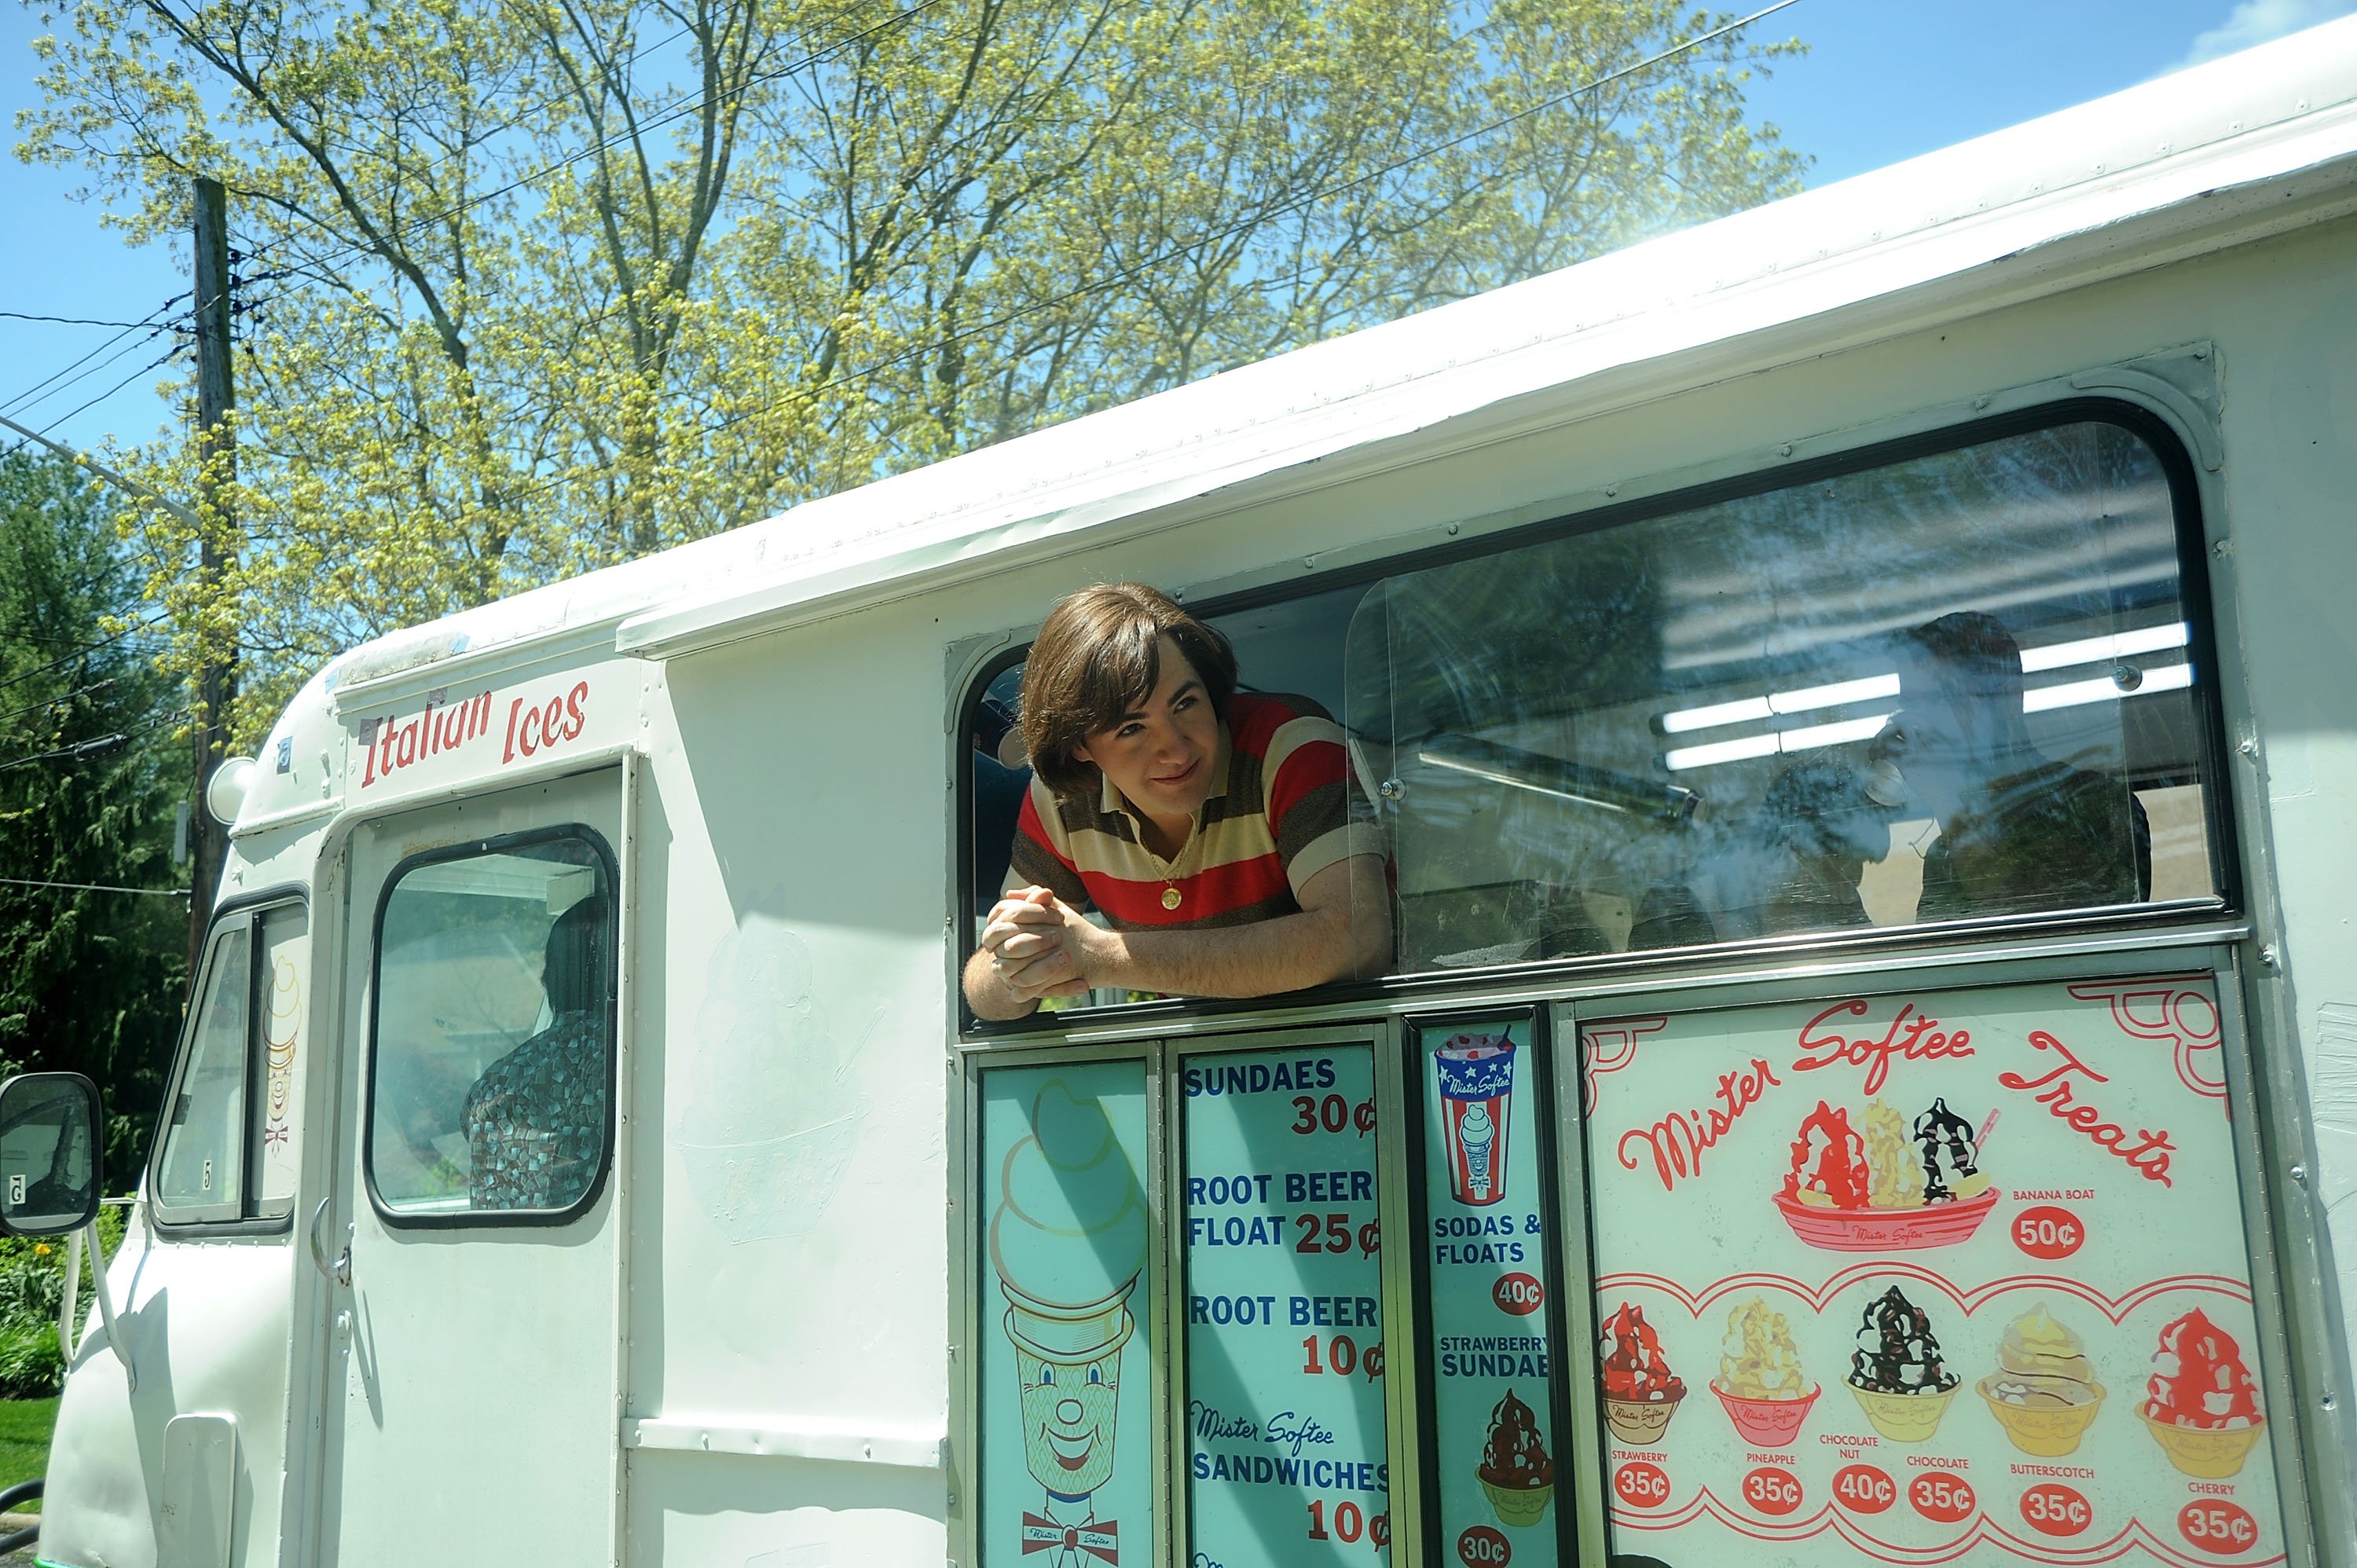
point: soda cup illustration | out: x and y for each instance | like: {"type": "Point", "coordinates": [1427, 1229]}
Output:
{"type": "Point", "coordinates": [1477, 1091]}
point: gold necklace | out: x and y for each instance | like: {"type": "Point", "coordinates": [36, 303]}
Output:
{"type": "Point", "coordinates": [1171, 896]}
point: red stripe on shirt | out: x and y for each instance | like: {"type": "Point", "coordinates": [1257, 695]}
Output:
{"type": "Point", "coordinates": [1310, 766]}
{"type": "Point", "coordinates": [1215, 890]}
{"type": "Point", "coordinates": [1029, 825]}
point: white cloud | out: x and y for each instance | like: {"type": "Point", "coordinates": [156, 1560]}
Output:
{"type": "Point", "coordinates": [2258, 21]}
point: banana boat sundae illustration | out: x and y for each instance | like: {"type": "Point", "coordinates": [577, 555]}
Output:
{"type": "Point", "coordinates": [2199, 1403]}
{"type": "Point", "coordinates": [1896, 1372]}
{"type": "Point", "coordinates": [1068, 1241]}
{"type": "Point", "coordinates": [2044, 1392]}
{"type": "Point", "coordinates": [1640, 1392]}
{"type": "Point", "coordinates": [1903, 1184]}
{"type": "Point", "coordinates": [1516, 1473]}
{"type": "Point", "coordinates": [1760, 1383]}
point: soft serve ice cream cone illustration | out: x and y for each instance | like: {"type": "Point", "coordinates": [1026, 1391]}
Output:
{"type": "Point", "coordinates": [2044, 1392]}
{"type": "Point", "coordinates": [1068, 1241]}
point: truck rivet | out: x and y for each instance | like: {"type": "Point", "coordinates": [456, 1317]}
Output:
{"type": "Point", "coordinates": [2298, 1173]}
{"type": "Point", "coordinates": [2270, 957]}
{"type": "Point", "coordinates": [2248, 746]}
{"type": "Point", "coordinates": [1785, 450]}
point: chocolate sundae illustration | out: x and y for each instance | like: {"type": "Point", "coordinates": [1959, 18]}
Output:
{"type": "Point", "coordinates": [1640, 1392]}
{"type": "Point", "coordinates": [2044, 1392]}
{"type": "Point", "coordinates": [1896, 1372]}
{"type": "Point", "coordinates": [1069, 1243]}
{"type": "Point", "coordinates": [1901, 1185]}
{"type": "Point", "coordinates": [2199, 1403]}
{"type": "Point", "coordinates": [1515, 1470]}
{"type": "Point", "coordinates": [1476, 1073]}
{"type": "Point", "coordinates": [1760, 1384]}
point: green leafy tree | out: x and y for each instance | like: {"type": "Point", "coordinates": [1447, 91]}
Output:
{"type": "Point", "coordinates": [552, 283]}
{"type": "Point", "coordinates": [90, 977]}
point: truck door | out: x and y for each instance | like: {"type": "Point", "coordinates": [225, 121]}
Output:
{"type": "Point", "coordinates": [471, 1241]}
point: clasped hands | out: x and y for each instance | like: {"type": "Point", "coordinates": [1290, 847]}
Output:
{"type": "Point", "coordinates": [1040, 946]}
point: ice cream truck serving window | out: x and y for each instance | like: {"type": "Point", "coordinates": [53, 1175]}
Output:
{"type": "Point", "coordinates": [1955, 1255]}
{"type": "Point", "coordinates": [1923, 687]}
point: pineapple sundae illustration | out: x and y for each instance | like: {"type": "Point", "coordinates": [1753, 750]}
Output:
{"type": "Point", "coordinates": [1068, 1243]}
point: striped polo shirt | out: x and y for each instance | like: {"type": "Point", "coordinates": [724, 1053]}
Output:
{"type": "Point", "coordinates": [1278, 814]}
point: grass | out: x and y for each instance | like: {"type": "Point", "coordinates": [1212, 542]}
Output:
{"type": "Point", "coordinates": [25, 1427]}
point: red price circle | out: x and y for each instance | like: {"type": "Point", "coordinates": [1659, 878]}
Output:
{"type": "Point", "coordinates": [1943, 1499]}
{"type": "Point", "coordinates": [2049, 1232]}
{"type": "Point", "coordinates": [1863, 1489]}
{"type": "Point", "coordinates": [2052, 1509]}
{"type": "Point", "coordinates": [1520, 1295]}
{"type": "Point", "coordinates": [1483, 1547]}
{"type": "Point", "coordinates": [2218, 1526]}
{"type": "Point", "coordinates": [1641, 1484]}
{"type": "Point", "coordinates": [1773, 1491]}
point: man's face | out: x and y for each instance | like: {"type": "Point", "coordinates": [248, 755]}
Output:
{"type": "Point", "coordinates": [1161, 755]}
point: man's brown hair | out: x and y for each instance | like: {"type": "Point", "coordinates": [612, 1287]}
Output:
{"type": "Point", "coordinates": [1098, 657]}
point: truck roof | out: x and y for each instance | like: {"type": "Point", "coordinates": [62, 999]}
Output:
{"type": "Point", "coordinates": [2214, 155]}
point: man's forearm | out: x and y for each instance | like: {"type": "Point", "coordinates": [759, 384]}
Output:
{"type": "Point", "coordinates": [1287, 953]}
{"type": "Point", "coordinates": [987, 994]}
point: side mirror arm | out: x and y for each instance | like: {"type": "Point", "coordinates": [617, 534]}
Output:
{"type": "Point", "coordinates": [70, 1307]}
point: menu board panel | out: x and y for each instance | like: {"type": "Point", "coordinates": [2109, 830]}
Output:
{"type": "Point", "coordinates": [1953, 1277]}
{"type": "Point", "coordinates": [1287, 1461]}
{"type": "Point", "coordinates": [1485, 1267]}
{"type": "Point", "coordinates": [1069, 1285]}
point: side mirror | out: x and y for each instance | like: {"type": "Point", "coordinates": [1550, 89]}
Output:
{"type": "Point", "coordinates": [49, 1154]}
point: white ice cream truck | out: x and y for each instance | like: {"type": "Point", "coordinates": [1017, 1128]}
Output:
{"type": "Point", "coordinates": [1859, 703]}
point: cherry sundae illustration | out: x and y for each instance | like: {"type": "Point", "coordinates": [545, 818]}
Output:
{"type": "Point", "coordinates": [2199, 1403]}
{"type": "Point", "coordinates": [2044, 1392]}
{"type": "Point", "coordinates": [1900, 1187]}
{"type": "Point", "coordinates": [1760, 1383]}
{"type": "Point", "coordinates": [1640, 1392]}
{"type": "Point", "coordinates": [1476, 1074]}
{"type": "Point", "coordinates": [1515, 1470]}
{"type": "Point", "coordinates": [1068, 1241]}
{"type": "Point", "coordinates": [1896, 1372]}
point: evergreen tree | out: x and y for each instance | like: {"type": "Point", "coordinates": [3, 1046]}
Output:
{"type": "Point", "coordinates": [90, 979]}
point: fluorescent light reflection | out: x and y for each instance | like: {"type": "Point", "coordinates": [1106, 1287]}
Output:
{"type": "Point", "coordinates": [1791, 740]}
{"type": "Point", "coordinates": [2104, 689]}
{"type": "Point", "coordinates": [2087, 649]}
{"type": "Point", "coordinates": [1752, 709]}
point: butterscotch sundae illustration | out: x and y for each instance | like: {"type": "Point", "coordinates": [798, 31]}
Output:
{"type": "Point", "coordinates": [2044, 1392]}
{"type": "Point", "coordinates": [1760, 1384]}
{"type": "Point", "coordinates": [1896, 1372]}
{"type": "Point", "coordinates": [1069, 1243]}
{"type": "Point", "coordinates": [2199, 1403]}
{"type": "Point", "coordinates": [1640, 1392]}
{"type": "Point", "coordinates": [1517, 1475]}
{"type": "Point", "coordinates": [1905, 1183]}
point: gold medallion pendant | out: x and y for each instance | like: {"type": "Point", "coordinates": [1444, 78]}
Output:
{"type": "Point", "coordinates": [1171, 897]}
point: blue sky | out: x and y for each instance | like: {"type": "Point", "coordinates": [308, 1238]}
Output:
{"type": "Point", "coordinates": [1884, 80]}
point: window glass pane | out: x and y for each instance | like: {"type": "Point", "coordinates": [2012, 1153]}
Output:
{"type": "Point", "coordinates": [1068, 1449]}
{"type": "Point", "coordinates": [283, 995]}
{"type": "Point", "coordinates": [198, 1173]}
{"type": "Point", "coordinates": [494, 1032]}
{"type": "Point", "coordinates": [1951, 687]}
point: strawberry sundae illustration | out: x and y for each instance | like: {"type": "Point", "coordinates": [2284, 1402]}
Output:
{"type": "Point", "coordinates": [1759, 1381]}
{"type": "Point", "coordinates": [1640, 1392]}
{"type": "Point", "coordinates": [1069, 1243]}
{"type": "Point", "coordinates": [1515, 1470]}
{"type": "Point", "coordinates": [1901, 1186]}
{"type": "Point", "coordinates": [2199, 1403]}
{"type": "Point", "coordinates": [2044, 1392]}
{"type": "Point", "coordinates": [1896, 1372]}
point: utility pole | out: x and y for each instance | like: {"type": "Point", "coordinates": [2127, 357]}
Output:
{"type": "Point", "coordinates": [216, 452]}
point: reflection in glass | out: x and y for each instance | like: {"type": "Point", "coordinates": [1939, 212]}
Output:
{"type": "Point", "coordinates": [494, 1032]}
{"type": "Point", "coordinates": [199, 1171]}
{"type": "Point", "coordinates": [1951, 687]}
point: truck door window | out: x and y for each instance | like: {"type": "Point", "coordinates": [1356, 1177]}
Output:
{"type": "Point", "coordinates": [491, 1082]}
{"type": "Point", "coordinates": [229, 1144]}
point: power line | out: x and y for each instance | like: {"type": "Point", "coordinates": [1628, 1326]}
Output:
{"type": "Point", "coordinates": [70, 320]}
{"type": "Point", "coordinates": [85, 651]}
{"type": "Point", "coordinates": [100, 745]}
{"type": "Point", "coordinates": [94, 353]}
{"type": "Point", "coordinates": [95, 887]}
{"type": "Point", "coordinates": [61, 697]}
{"type": "Point", "coordinates": [156, 363]}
